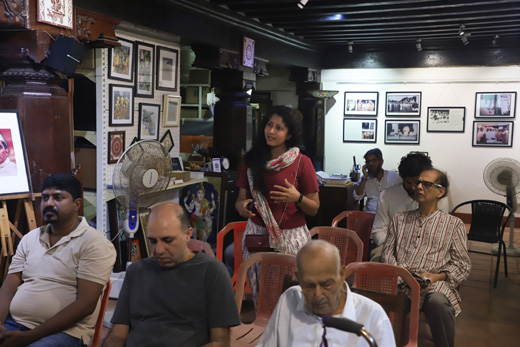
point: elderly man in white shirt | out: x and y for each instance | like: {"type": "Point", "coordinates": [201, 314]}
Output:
{"type": "Point", "coordinates": [296, 320]}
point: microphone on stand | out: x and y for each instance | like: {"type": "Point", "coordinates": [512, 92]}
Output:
{"type": "Point", "coordinates": [348, 325]}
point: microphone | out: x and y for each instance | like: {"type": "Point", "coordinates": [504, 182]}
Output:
{"type": "Point", "coordinates": [343, 324]}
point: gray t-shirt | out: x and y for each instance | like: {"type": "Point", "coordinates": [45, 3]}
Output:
{"type": "Point", "coordinates": [175, 306]}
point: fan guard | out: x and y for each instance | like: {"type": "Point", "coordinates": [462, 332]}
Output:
{"type": "Point", "coordinates": [502, 173]}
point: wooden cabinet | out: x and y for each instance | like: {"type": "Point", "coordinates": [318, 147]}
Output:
{"type": "Point", "coordinates": [333, 200]}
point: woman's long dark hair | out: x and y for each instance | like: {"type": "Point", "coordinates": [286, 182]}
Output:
{"type": "Point", "coordinates": [260, 153]}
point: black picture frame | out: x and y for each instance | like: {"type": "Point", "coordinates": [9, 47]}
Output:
{"type": "Point", "coordinates": [121, 61]}
{"type": "Point", "coordinates": [360, 130]}
{"type": "Point", "coordinates": [167, 68]}
{"type": "Point", "coordinates": [403, 104]}
{"type": "Point", "coordinates": [361, 104]}
{"type": "Point", "coordinates": [403, 131]}
{"type": "Point", "coordinates": [167, 140]}
{"type": "Point", "coordinates": [482, 138]}
{"type": "Point", "coordinates": [144, 69]}
{"type": "Point", "coordinates": [448, 119]}
{"type": "Point", "coordinates": [121, 105]}
{"type": "Point", "coordinates": [495, 105]}
{"type": "Point", "coordinates": [116, 146]}
{"type": "Point", "coordinates": [149, 117]}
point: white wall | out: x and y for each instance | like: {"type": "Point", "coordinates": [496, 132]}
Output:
{"type": "Point", "coordinates": [451, 152]}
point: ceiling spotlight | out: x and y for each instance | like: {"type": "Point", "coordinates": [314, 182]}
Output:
{"type": "Point", "coordinates": [302, 3]}
{"type": "Point", "coordinates": [494, 42]}
{"type": "Point", "coordinates": [461, 30]}
{"type": "Point", "coordinates": [350, 46]}
{"type": "Point", "coordinates": [418, 45]}
{"type": "Point", "coordinates": [464, 39]}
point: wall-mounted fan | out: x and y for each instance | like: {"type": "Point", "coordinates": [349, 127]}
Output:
{"type": "Point", "coordinates": [502, 176]}
{"type": "Point", "coordinates": [140, 177]}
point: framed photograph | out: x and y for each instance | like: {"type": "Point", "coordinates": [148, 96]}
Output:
{"type": "Point", "coordinates": [167, 140]}
{"type": "Point", "coordinates": [149, 121]}
{"type": "Point", "coordinates": [402, 132]}
{"type": "Point", "coordinates": [171, 110]}
{"type": "Point", "coordinates": [14, 175]}
{"type": "Point", "coordinates": [167, 60]}
{"type": "Point", "coordinates": [400, 104]}
{"type": "Point", "coordinates": [116, 145]}
{"type": "Point", "coordinates": [361, 103]}
{"type": "Point", "coordinates": [359, 130]}
{"type": "Point", "coordinates": [121, 106]}
{"type": "Point", "coordinates": [446, 119]}
{"type": "Point", "coordinates": [495, 105]}
{"type": "Point", "coordinates": [177, 164]}
{"type": "Point", "coordinates": [58, 13]}
{"type": "Point", "coordinates": [492, 134]}
{"type": "Point", "coordinates": [144, 72]}
{"type": "Point", "coordinates": [121, 60]}
{"type": "Point", "coordinates": [215, 165]}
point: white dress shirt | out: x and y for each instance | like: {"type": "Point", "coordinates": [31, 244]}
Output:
{"type": "Point", "coordinates": [374, 187]}
{"type": "Point", "coordinates": [293, 324]}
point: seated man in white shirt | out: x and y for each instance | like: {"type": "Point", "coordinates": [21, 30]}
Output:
{"type": "Point", "coordinates": [374, 179]}
{"type": "Point", "coordinates": [399, 198]}
{"type": "Point", "coordinates": [296, 320]}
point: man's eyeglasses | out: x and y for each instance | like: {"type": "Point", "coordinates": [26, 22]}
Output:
{"type": "Point", "coordinates": [426, 184]}
{"type": "Point", "coordinates": [372, 161]}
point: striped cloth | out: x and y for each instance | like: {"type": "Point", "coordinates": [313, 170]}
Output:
{"type": "Point", "coordinates": [435, 244]}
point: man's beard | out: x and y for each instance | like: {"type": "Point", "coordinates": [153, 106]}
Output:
{"type": "Point", "coordinates": [375, 173]}
{"type": "Point", "coordinates": [48, 218]}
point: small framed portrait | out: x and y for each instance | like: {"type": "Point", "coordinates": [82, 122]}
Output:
{"type": "Point", "coordinates": [167, 61]}
{"type": "Point", "coordinates": [121, 106]}
{"type": "Point", "coordinates": [149, 121]}
{"type": "Point", "coordinates": [144, 69]}
{"type": "Point", "coordinates": [359, 130]}
{"type": "Point", "coordinates": [215, 165]}
{"type": "Point", "coordinates": [167, 140]}
{"type": "Point", "coordinates": [58, 13]}
{"type": "Point", "coordinates": [446, 119]}
{"type": "Point", "coordinates": [177, 164]}
{"type": "Point", "coordinates": [171, 110]}
{"type": "Point", "coordinates": [402, 132]}
{"type": "Point", "coordinates": [492, 134]}
{"type": "Point", "coordinates": [399, 104]}
{"type": "Point", "coordinates": [361, 103]}
{"type": "Point", "coordinates": [14, 175]}
{"type": "Point", "coordinates": [121, 60]}
{"type": "Point", "coordinates": [116, 145]}
{"type": "Point", "coordinates": [495, 105]}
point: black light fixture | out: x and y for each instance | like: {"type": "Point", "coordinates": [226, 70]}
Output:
{"type": "Point", "coordinates": [302, 3]}
{"type": "Point", "coordinates": [350, 45]}
{"type": "Point", "coordinates": [461, 30]}
{"type": "Point", "coordinates": [418, 45]}
{"type": "Point", "coordinates": [464, 39]}
{"type": "Point", "coordinates": [494, 42]}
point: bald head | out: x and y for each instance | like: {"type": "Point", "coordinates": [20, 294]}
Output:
{"type": "Point", "coordinates": [318, 251]}
{"type": "Point", "coordinates": [169, 212]}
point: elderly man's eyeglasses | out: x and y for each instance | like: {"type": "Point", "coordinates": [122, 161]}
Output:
{"type": "Point", "coordinates": [426, 184]}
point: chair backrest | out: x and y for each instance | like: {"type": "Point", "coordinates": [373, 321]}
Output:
{"type": "Point", "coordinates": [348, 242]}
{"type": "Point", "coordinates": [487, 223]}
{"type": "Point", "coordinates": [273, 269]}
{"type": "Point", "coordinates": [201, 246]}
{"type": "Point", "coordinates": [382, 278]}
{"type": "Point", "coordinates": [359, 221]}
{"type": "Point", "coordinates": [238, 229]}
{"type": "Point", "coordinates": [101, 316]}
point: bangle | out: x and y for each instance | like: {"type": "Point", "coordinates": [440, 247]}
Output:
{"type": "Point", "coordinates": [300, 199]}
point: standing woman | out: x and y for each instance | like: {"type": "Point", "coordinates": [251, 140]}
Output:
{"type": "Point", "coordinates": [283, 184]}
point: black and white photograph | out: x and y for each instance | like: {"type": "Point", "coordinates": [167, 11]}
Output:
{"type": "Point", "coordinates": [403, 104]}
{"type": "Point", "coordinates": [495, 105]}
{"type": "Point", "coordinates": [359, 130]}
{"type": "Point", "coordinates": [402, 131]}
{"type": "Point", "coordinates": [361, 103]}
{"type": "Point", "coordinates": [446, 119]}
{"type": "Point", "coordinates": [492, 134]}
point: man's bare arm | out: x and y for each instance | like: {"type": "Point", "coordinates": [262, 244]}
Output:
{"type": "Point", "coordinates": [117, 337]}
{"type": "Point", "coordinates": [218, 337]}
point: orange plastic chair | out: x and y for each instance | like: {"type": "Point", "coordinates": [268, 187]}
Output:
{"type": "Point", "coordinates": [238, 229]}
{"type": "Point", "coordinates": [101, 316]}
{"type": "Point", "coordinates": [348, 242]}
{"type": "Point", "coordinates": [201, 246]}
{"type": "Point", "coordinates": [273, 270]}
{"type": "Point", "coordinates": [382, 278]}
{"type": "Point", "coordinates": [359, 221]}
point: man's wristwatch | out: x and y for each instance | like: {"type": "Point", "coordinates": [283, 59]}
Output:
{"type": "Point", "coordinates": [300, 199]}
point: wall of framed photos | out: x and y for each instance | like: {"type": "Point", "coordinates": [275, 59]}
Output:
{"type": "Point", "coordinates": [462, 117]}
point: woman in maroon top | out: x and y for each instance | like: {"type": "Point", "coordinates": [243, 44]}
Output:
{"type": "Point", "coordinates": [281, 183]}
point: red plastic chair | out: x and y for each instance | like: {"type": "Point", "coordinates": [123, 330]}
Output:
{"type": "Point", "coordinates": [359, 221]}
{"type": "Point", "coordinates": [348, 242]}
{"type": "Point", "coordinates": [382, 278]}
{"type": "Point", "coordinates": [200, 246]}
{"type": "Point", "coordinates": [101, 316]}
{"type": "Point", "coordinates": [273, 269]}
{"type": "Point", "coordinates": [238, 229]}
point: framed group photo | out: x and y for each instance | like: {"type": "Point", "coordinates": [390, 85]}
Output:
{"type": "Point", "coordinates": [144, 71]}
{"type": "Point", "coordinates": [121, 108]}
{"type": "Point", "coordinates": [402, 131]}
{"type": "Point", "coordinates": [400, 104]}
{"type": "Point", "coordinates": [171, 110]}
{"type": "Point", "coordinates": [446, 119]}
{"type": "Point", "coordinates": [361, 103]}
{"type": "Point", "coordinates": [14, 175]}
{"type": "Point", "coordinates": [495, 105]}
{"type": "Point", "coordinates": [167, 60]}
{"type": "Point", "coordinates": [359, 130]}
{"type": "Point", "coordinates": [121, 60]}
{"type": "Point", "coordinates": [116, 145]}
{"type": "Point", "coordinates": [492, 134]}
{"type": "Point", "coordinates": [149, 121]}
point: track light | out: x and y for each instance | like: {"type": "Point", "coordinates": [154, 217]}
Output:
{"type": "Point", "coordinates": [302, 3]}
{"type": "Point", "coordinates": [418, 45]}
{"type": "Point", "coordinates": [464, 39]}
{"type": "Point", "coordinates": [461, 30]}
{"type": "Point", "coordinates": [350, 46]}
{"type": "Point", "coordinates": [494, 42]}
